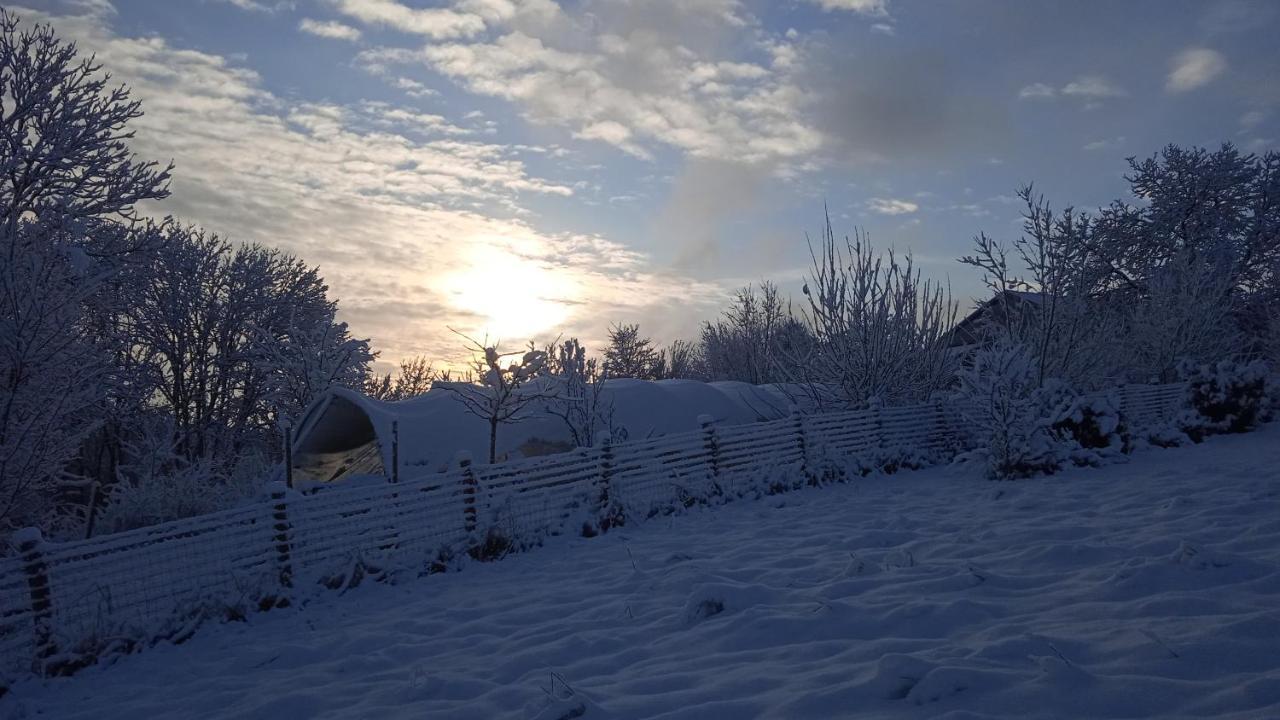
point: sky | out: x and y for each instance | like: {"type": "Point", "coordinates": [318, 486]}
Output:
{"type": "Point", "coordinates": [524, 169]}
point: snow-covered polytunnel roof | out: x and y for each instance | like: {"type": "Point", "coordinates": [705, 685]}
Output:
{"type": "Point", "coordinates": [345, 433]}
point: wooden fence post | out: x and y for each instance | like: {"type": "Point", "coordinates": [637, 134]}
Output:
{"type": "Point", "coordinates": [395, 451]}
{"type": "Point", "coordinates": [470, 488]}
{"type": "Point", "coordinates": [941, 430]}
{"type": "Point", "coordinates": [712, 445]}
{"type": "Point", "coordinates": [797, 419]}
{"type": "Point", "coordinates": [881, 453]}
{"type": "Point", "coordinates": [288, 454]}
{"type": "Point", "coordinates": [30, 546]}
{"type": "Point", "coordinates": [282, 533]}
{"type": "Point", "coordinates": [610, 513]}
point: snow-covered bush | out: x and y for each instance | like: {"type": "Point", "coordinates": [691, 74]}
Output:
{"type": "Point", "coordinates": [996, 395]}
{"type": "Point", "coordinates": [1021, 428]}
{"type": "Point", "coordinates": [1089, 425]}
{"type": "Point", "coordinates": [156, 484]}
{"type": "Point", "coordinates": [1228, 396]}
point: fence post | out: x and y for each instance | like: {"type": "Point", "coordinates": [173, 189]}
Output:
{"type": "Point", "coordinates": [712, 446]}
{"type": "Point", "coordinates": [797, 419]}
{"type": "Point", "coordinates": [470, 488]}
{"type": "Point", "coordinates": [881, 453]}
{"type": "Point", "coordinates": [610, 516]}
{"type": "Point", "coordinates": [30, 546]}
{"type": "Point", "coordinates": [395, 451]}
{"type": "Point", "coordinates": [288, 454]}
{"type": "Point", "coordinates": [941, 431]}
{"type": "Point", "coordinates": [282, 533]}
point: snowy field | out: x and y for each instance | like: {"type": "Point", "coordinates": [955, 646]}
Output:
{"type": "Point", "coordinates": [1146, 589]}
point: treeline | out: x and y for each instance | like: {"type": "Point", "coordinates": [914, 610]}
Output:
{"type": "Point", "coordinates": [133, 352]}
{"type": "Point", "coordinates": [146, 365]}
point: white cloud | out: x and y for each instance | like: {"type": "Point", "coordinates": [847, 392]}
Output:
{"type": "Point", "coordinates": [436, 23]}
{"type": "Point", "coordinates": [635, 80]}
{"type": "Point", "coordinates": [1195, 68]}
{"type": "Point", "coordinates": [864, 7]}
{"type": "Point", "coordinates": [1093, 87]}
{"type": "Point", "coordinates": [1036, 91]}
{"type": "Point", "coordinates": [260, 6]}
{"type": "Point", "coordinates": [1252, 119]}
{"type": "Point", "coordinates": [883, 29]}
{"type": "Point", "coordinates": [1106, 144]}
{"type": "Point", "coordinates": [402, 211]}
{"type": "Point", "coordinates": [890, 206]}
{"type": "Point", "coordinates": [329, 29]}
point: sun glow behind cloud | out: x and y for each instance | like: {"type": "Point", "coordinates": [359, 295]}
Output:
{"type": "Point", "coordinates": [415, 220]}
{"type": "Point", "coordinates": [510, 296]}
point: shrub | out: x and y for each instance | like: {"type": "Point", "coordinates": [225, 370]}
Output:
{"type": "Point", "coordinates": [1228, 396]}
{"type": "Point", "coordinates": [1088, 426]}
{"type": "Point", "coordinates": [1021, 429]}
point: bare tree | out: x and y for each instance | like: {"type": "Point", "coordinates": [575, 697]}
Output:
{"type": "Point", "coordinates": [878, 330]}
{"type": "Point", "coordinates": [68, 186]}
{"type": "Point", "coordinates": [499, 395]}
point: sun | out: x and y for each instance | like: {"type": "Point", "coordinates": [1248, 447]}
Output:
{"type": "Point", "coordinates": [509, 297]}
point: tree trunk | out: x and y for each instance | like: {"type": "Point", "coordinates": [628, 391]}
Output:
{"type": "Point", "coordinates": [493, 439]}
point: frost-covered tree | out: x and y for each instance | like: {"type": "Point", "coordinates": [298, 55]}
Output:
{"type": "Point", "coordinates": [878, 330]}
{"type": "Point", "coordinates": [631, 355]}
{"type": "Point", "coordinates": [412, 378]}
{"type": "Point", "coordinates": [1062, 320]}
{"type": "Point", "coordinates": [1130, 291]}
{"type": "Point", "coordinates": [577, 396]}
{"type": "Point", "coordinates": [68, 187]}
{"type": "Point", "coordinates": [684, 361]}
{"type": "Point", "coordinates": [307, 356]}
{"type": "Point", "coordinates": [1221, 206]}
{"type": "Point", "coordinates": [747, 341]}
{"type": "Point", "coordinates": [496, 393]}
{"type": "Point", "coordinates": [232, 337]}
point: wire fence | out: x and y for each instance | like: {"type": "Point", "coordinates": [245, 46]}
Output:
{"type": "Point", "coordinates": [66, 603]}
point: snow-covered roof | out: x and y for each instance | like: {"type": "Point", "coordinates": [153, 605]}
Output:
{"type": "Point", "coordinates": [434, 427]}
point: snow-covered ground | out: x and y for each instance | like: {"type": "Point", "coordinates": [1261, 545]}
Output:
{"type": "Point", "coordinates": [1146, 589]}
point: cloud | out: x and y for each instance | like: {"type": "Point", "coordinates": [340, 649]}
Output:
{"type": "Point", "coordinates": [890, 206]}
{"type": "Point", "coordinates": [902, 103]}
{"type": "Point", "coordinates": [1093, 87]}
{"type": "Point", "coordinates": [261, 6]}
{"type": "Point", "coordinates": [436, 23]}
{"type": "Point", "coordinates": [1252, 119]}
{"type": "Point", "coordinates": [329, 29]}
{"type": "Point", "coordinates": [670, 73]}
{"type": "Point", "coordinates": [1107, 144]}
{"type": "Point", "coordinates": [877, 8]}
{"type": "Point", "coordinates": [1090, 88]}
{"type": "Point", "coordinates": [883, 29]}
{"type": "Point", "coordinates": [1037, 91]}
{"type": "Point", "coordinates": [706, 193]}
{"type": "Point", "coordinates": [406, 215]}
{"type": "Point", "coordinates": [1195, 68]}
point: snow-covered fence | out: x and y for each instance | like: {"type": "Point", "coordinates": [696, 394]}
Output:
{"type": "Point", "coordinates": [61, 602]}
